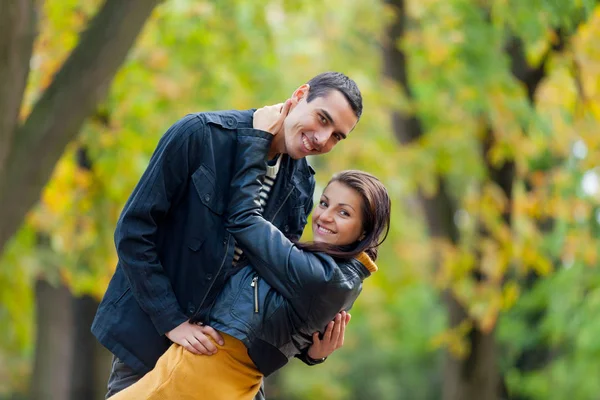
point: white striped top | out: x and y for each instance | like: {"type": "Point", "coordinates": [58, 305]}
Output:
{"type": "Point", "coordinates": [265, 190]}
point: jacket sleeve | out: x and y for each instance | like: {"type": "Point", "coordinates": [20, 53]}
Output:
{"type": "Point", "coordinates": [277, 260]}
{"type": "Point", "coordinates": [161, 185]}
{"type": "Point", "coordinates": [305, 358]}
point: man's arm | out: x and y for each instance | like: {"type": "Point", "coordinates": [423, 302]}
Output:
{"type": "Point", "coordinates": [161, 185]}
{"type": "Point", "coordinates": [136, 234]}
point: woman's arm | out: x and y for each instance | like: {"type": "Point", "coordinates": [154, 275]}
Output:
{"type": "Point", "coordinates": [277, 260]}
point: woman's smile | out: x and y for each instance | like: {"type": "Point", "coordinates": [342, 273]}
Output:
{"type": "Point", "coordinates": [337, 219]}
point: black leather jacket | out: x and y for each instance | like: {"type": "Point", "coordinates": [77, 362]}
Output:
{"type": "Point", "coordinates": [275, 304]}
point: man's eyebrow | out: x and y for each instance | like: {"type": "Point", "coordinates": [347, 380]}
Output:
{"type": "Point", "coordinates": [330, 119]}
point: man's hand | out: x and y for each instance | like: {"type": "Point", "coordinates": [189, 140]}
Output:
{"type": "Point", "coordinates": [333, 338]}
{"type": "Point", "coordinates": [194, 338]}
{"type": "Point", "coordinates": [270, 118]}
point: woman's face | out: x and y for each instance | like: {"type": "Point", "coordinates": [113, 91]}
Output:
{"type": "Point", "coordinates": [337, 219]}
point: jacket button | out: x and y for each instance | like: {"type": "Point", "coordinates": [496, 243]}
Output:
{"type": "Point", "coordinates": [207, 197]}
{"type": "Point", "coordinates": [209, 277]}
{"type": "Point", "coordinates": [191, 310]}
{"type": "Point", "coordinates": [225, 241]}
{"type": "Point", "coordinates": [286, 228]}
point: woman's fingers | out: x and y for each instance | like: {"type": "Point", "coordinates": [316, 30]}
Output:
{"type": "Point", "coordinates": [270, 118]}
{"type": "Point", "coordinates": [337, 328]}
{"type": "Point", "coordinates": [316, 338]}
{"type": "Point", "coordinates": [328, 332]}
{"type": "Point", "coordinates": [285, 109]}
{"type": "Point", "coordinates": [343, 323]}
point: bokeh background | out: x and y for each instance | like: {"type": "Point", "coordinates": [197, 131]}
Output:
{"type": "Point", "coordinates": [481, 117]}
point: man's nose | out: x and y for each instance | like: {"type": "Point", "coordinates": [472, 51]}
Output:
{"type": "Point", "coordinates": [320, 138]}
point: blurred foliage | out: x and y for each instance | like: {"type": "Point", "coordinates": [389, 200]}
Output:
{"type": "Point", "coordinates": [222, 54]}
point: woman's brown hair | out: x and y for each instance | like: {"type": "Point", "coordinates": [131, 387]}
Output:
{"type": "Point", "coordinates": [376, 210]}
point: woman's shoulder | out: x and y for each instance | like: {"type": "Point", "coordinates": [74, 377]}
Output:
{"type": "Point", "coordinates": [359, 267]}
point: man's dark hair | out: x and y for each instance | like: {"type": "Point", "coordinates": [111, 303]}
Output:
{"type": "Point", "coordinates": [324, 83]}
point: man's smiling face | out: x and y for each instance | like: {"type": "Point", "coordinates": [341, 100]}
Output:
{"type": "Point", "coordinates": [315, 127]}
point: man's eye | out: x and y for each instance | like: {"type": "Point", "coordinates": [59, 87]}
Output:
{"type": "Point", "coordinates": [323, 119]}
{"type": "Point", "coordinates": [323, 204]}
{"type": "Point", "coordinates": [338, 137]}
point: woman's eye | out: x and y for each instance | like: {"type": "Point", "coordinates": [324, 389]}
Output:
{"type": "Point", "coordinates": [323, 119]}
{"type": "Point", "coordinates": [338, 137]}
{"type": "Point", "coordinates": [344, 213]}
{"type": "Point", "coordinates": [323, 204]}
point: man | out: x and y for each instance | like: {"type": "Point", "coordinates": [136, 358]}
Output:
{"type": "Point", "coordinates": [174, 252]}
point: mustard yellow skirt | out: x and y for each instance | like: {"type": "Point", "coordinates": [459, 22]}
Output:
{"type": "Point", "coordinates": [229, 374]}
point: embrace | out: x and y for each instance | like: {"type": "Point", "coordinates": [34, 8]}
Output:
{"type": "Point", "coordinates": [214, 289]}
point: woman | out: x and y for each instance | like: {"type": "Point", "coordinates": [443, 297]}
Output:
{"type": "Point", "coordinates": [268, 310]}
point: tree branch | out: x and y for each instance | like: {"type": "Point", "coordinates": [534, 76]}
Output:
{"type": "Point", "coordinates": [17, 30]}
{"type": "Point", "coordinates": [59, 114]}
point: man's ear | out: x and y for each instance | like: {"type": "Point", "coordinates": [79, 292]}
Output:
{"type": "Point", "coordinates": [300, 94]}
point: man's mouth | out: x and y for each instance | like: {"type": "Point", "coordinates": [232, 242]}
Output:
{"type": "Point", "coordinates": [324, 231]}
{"type": "Point", "coordinates": [306, 143]}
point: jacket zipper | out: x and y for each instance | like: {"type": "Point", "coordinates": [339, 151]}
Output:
{"type": "Point", "coordinates": [254, 284]}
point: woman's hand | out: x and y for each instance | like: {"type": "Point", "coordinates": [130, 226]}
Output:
{"type": "Point", "coordinates": [270, 118]}
{"type": "Point", "coordinates": [333, 338]}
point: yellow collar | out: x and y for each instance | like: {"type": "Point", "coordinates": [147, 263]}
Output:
{"type": "Point", "coordinates": [367, 262]}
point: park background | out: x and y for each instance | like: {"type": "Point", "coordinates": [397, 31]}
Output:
{"type": "Point", "coordinates": [481, 117]}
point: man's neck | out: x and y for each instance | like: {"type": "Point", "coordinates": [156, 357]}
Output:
{"type": "Point", "coordinates": [277, 146]}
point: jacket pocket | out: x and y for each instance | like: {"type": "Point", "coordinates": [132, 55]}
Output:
{"type": "Point", "coordinates": [206, 188]}
{"type": "Point", "coordinates": [195, 244]}
{"type": "Point", "coordinates": [295, 223]}
{"type": "Point", "coordinates": [255, 301]}
{"type": "Point", "coordinates": [246, 305]}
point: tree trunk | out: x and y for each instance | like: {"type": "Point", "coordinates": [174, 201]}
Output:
{"type": "Point", "coordinates": [538, 355]}
{"type": "Point", "coordinates": [55, 120]}
{"type": "Point", "coordinates": [91, 361]}
{"type": "Point", "coordinates": [54, 343]}
{"type": "Point", "coordinates": [17, 30]}
{"type": "Point", "coordinates": [69, 362]}
{"type": "Point", "coordinates": [475, 377]}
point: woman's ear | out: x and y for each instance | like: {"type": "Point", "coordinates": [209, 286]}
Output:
{"type": "Point", "coordinates": [362, 236]}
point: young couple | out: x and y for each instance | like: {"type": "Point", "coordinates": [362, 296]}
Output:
{"type": "Point", "coordinates": [213, 290]}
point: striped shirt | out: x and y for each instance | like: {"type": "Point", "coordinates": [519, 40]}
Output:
{"type": "Point", "coordinates": [265, 190]}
